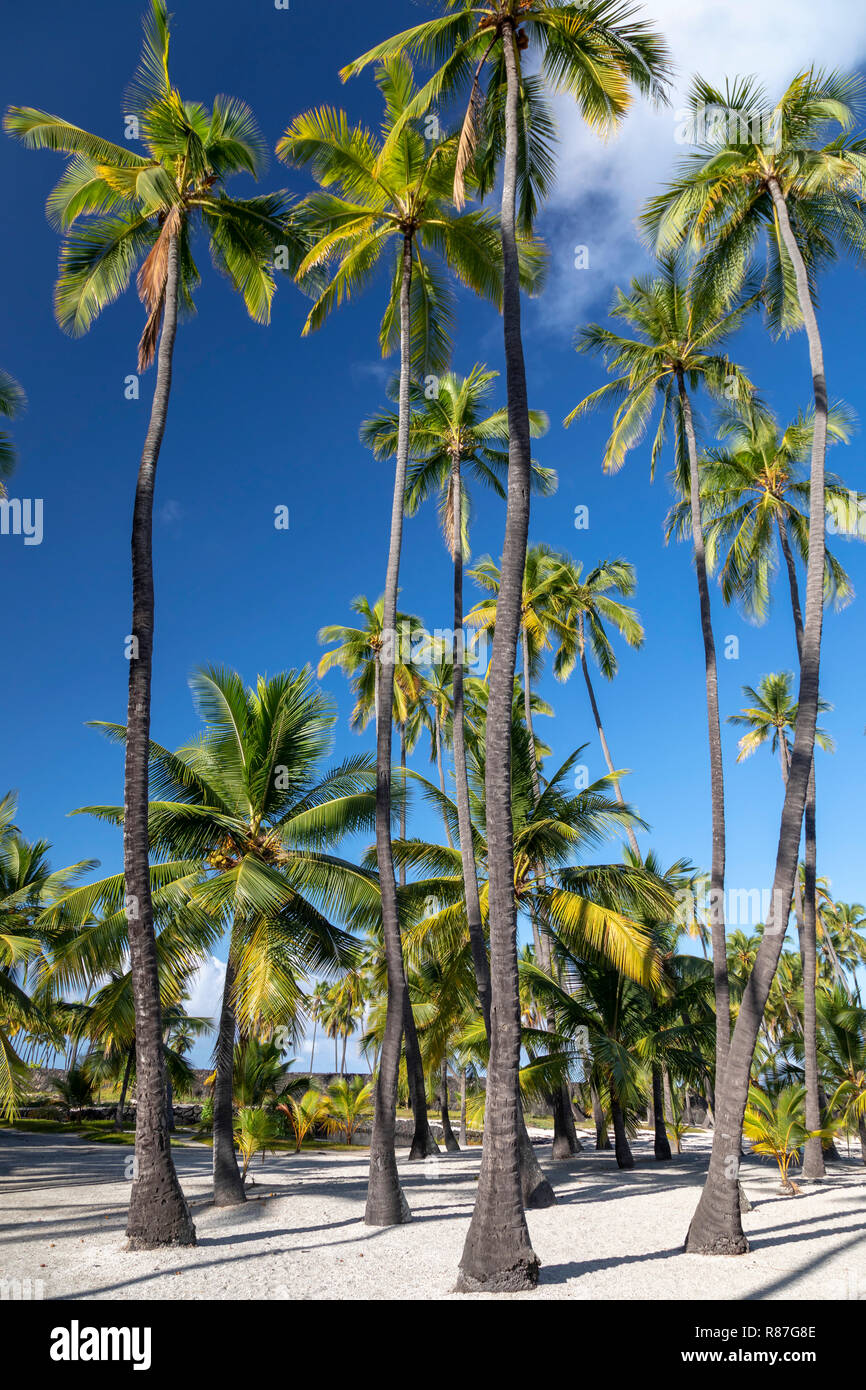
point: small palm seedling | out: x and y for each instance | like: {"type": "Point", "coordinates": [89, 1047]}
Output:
{"type": "Point", "coordinates": [777, 1129]}
{"type": "Point", "coordinates": [255, 1132]}
{"type": "Point", "coordinates": [349, 1105]}
{"type": "Point", "coordinates": [305, 1114]}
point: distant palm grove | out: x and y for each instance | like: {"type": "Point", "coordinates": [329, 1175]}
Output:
{"type": "Point", "coordinates": [379, 901]}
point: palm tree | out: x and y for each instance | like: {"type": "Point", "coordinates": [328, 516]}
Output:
{"type": "Point", "coordinates": [349, 1106]}
{"type": "Point", "coordinates": [675, 347]}
{"type": "Point", "coordinates": [248, 802]}
{"type": "Point", "coordinates": [753, 492]}
{"type": "Point", "coordinates": [593, 53]}
{"type": "Point", "coordinates": [316, 1005]}
{"type": "Point", "coordinates": [772, 714]}
{"type": "Point", "coordinates": [117, 209]}
{"type": "Point", "coordinates": [842, 1049]}
{"type": "Point", "coordinates": [304, 1114]}
{"type": "Point", "coordinates": [590, 601]}
{"type": "Point", "coordinates": [450, 436]}
{"type": "Point", "coordinates": [28, 887]}
{"type": "Point", "coordinates": [795, 182]}
{"type": "Point", "coordinates": [360, 652]}
{"type": "Point", "coordinates": [12, 402]}
{"type": "Point", "coordinates": [373, 192]}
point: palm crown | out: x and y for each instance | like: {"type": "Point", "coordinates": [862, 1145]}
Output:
{"type": "Point", "coordinates": [118, 209]}
{"type": "Point", "coordinates": [721, 203]}
{"type": "Point", "coordinates": [372, 193]}
{"type": "Point", "coordinates": [451, 426]}
{"type": "Point", "coordinates": [677, 336]}
{"type": "Point", "coordinates": [593, 52]}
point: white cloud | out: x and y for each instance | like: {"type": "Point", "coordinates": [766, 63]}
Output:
{"type": "Point", "coordinates": [602, 185]}
{"type": "Point", "coordinates": [206, 988]}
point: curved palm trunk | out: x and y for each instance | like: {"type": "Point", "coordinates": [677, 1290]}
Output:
{"type": "Point", "coordinates": [158, 1213]}
{"type": "Point", "coordinates": [716, 1227]}
{"type": "Point", "coordinates": [498, 1253]}
{"type": "Point", "coordinates": [661, 1143]}
{"type": "Point", "coordinates": [813, 1153]}
{"type": "Point", "coordinates": [717, 781]}
{"type": "Point", "coordinates": [632, 838]}
{"type": "Point", "coordinates": [228, 1185]}
{"type": "Point", "coordinates": [313, 1047]}
{"type": "Point", "coordinates": [386, 1205]}
{"type": "Point", "coordinates": [535, 1189]}
{"type": "Point", "coordinates": [439, 765]}
{"type": "Point", "coordinates": [464, 814]}
{"type": "Point", "coordinates": [565, 1140]}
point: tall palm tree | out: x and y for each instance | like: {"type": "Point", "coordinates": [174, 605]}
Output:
{"type": "Point", "coordinates": [772, 714]}
{"type": "Point", "coordinates": [315, 1010]}
{"type": "Point", "coordinates": [594, 53]}
{"type": "Point", "coordinates": [375, 192]}
{"type": "Point", "coordinates": [795, 184]}
{"type": "Point", "coordinates": [360, 652]}
{"type": "Point", "coordinates": [589, 601]}
{"type": "Point", "coordinates": [542, 599]}
{"type": "Point", "coordinates": [452, 435]}
{"type": "Point", "coordinates": [117, 209]}
{"type": "Point", "coordinates": [247, 800]}
{"type": "Point", "coordinates": [12, 402]}
{"type": "Point", "coordinates": [753, 492]}
{"type": "Point", "coordinates": [674, 347]}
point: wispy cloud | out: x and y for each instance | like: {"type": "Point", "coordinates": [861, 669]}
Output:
{"type": "Point", "coordinates": [602, 185]}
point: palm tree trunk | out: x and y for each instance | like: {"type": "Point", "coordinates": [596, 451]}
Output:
{"type": "Point", "coordinates": [228, 1186]}
{"type": "Point", "coordinates": [716, 1227]}
{"type": "Point", "coordinates": [813, 1153]}
{"type": "Point", "coordinates": [463, 1137]}
{"type": "Point", "coordinates": [343, 1058]}
{"type": "Point", "coordinates": [169, 1102]}
{"type": "Point", "coordinates": [536, 1190]}
{"type": "Point", "coordinates": [622, 1148]}
{"type": "Point", "coordinates": [464, 815]}
{"type": "Point", "coordinates": [717, 781]}
{"type": "Point", "coordinates": [498, 1254]}
{"type": "Point", "coordinates": [402, 797]}
{"type": "Point", "coordinates": [423, 1143]}
{"type": "Point", "coordinates": [121, 1103]}
{"type": "Point", "coordinates": [661, 1143]}
{"type": "Point", "coordinates": [629, 830]}
{"type": "Point", "coordinates": [313, 1047]}
{"type": "Point", "coordinates": [386, 1204]}
{"type": "Point", "coordinates": [602, 1138]}
{"type": "Point", "coordinates": [158, 1212]}
{"type": "Point", "coordinates": [442, 779]}
{"type": "Point", "coordinates": [448, 1136]}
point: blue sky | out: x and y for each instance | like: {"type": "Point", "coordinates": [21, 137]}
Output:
{"type": "Point", "coordinates": [260, 417]}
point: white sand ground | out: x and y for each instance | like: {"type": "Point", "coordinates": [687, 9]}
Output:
{"type": "Point", "coordinates": [612, 1235]}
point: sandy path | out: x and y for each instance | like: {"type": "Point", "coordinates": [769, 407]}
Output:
{"type": "Point", "coordinates": [612, 1235]}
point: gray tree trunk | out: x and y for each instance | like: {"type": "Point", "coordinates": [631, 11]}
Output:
{"type": "Point", "coordinates": [228, 1186]}
{"type": "Point", "coordinates": [498, 1254]}
{"type": "Point", "coordinates": [813, 1153]}
{"type": "Point", "coordinates": [158, 1212]}
{"type": "Point", "coordinates": [629, 830]}
{"type": "Point", "coordinates": [717, 780]}
{"type": "Point", "coordinates": [386, 1204]}
{"type": "Point", "coordinates": [716, 1227]}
